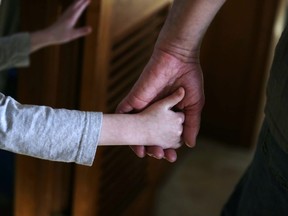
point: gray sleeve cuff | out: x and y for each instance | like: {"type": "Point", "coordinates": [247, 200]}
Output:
{"type": "Point", "coordinates": [15, 51]}
{"type": "Point", "coordinates": [47, 133]}
{"type": "Point", "coordinates": [90, 139]}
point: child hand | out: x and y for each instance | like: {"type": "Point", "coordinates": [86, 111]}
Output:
{"type": "Point", "coordinates": [63, 30]}
{"type": "Point", "coordinates": [164, 126]}
{"type": "Point", "coordinates": [157, 125]}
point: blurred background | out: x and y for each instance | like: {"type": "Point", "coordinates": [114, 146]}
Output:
{"type": "Point", "coordinates": [96, 72]}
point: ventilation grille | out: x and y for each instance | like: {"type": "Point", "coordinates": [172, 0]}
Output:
{"type": "Point", "coordinates": [129, 56]}
{"type": "Point", "coordinates": [124, 176]}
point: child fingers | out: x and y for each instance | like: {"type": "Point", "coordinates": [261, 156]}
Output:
{"type": "Point", "coordinates": [173, 99]}
{"type": "Point", "coordinates": [178, 145]}
{"type": "Point", "coordinates": [181, 120]}
{"type": "Point", "coordinates": [80, 32]}
{"type": "Point", "coordinates": [76, 10]}
{"type": "Point", "coordinates": [176, 97]}
{"type": "Point", "coordinates": [180, 117]}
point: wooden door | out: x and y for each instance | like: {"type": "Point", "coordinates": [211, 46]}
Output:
{"type": "Point", "coordinates": [42, 187]}
{"type": "Point", "coordinates": [235, 56]}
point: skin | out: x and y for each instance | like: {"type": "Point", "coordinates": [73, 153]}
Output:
{"type": "Point", "coordinates": [157, 125]}
{"type": "Point", "coordinates": [174, 63]}
{"type": "Point", "coordinates": [63, 30]}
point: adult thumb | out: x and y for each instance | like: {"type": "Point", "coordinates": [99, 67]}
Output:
{"type": "Point", "coordinates": [124, 107]}
{"type": "Point", "coordinates": [173, 99]}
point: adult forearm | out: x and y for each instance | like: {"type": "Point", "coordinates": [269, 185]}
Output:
{"type": "Point", "coordinates": [186, 25]}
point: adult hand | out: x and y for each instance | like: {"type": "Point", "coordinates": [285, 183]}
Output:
{"type": "Point", "coordinates": [63, 30]}
{"type": "Point", "coordinates": [165, 73]}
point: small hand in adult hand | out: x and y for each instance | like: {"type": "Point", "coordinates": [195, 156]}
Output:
{"type": "Point", "coordinates": [163, 127]}
{"type": "Point", "coordinates": [164, 74]}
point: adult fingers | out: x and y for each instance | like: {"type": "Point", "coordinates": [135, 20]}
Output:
{"type": "Point", "coordinates": [155, 151]}
{"type": "Point", "coordinates": [191, 127]}
{"type": "Point", "coordinates": [124, 106]}
{"type": "Point", "coordinates": [158, 153]}
{"type": "Point", "coordinates": [170, 155]}
{"type": "Point", "coordinates": [139, 151]}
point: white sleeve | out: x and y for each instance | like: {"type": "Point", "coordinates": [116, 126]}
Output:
{"type": "Point", "coordinates": [47, 133]}
{"type": "Point", "coordinates": [15, 51]}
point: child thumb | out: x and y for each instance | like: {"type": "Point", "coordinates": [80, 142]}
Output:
{"type": "Point", "coordinates": [173, 99]}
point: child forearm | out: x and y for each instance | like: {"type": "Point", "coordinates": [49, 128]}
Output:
{"type": "Point", "coordinates": [39, 40]}
{"type": "Point", "coordinates": [157, 125]}
{"type": "Point", "coordinates": [122, 129]}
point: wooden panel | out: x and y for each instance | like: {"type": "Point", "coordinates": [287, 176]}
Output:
{"type": "Point", "coordinates": [117, 178]}
{"type": "Point", "coordinates": [86, 186]}
{"type": "Point", "coordinates": [43, 187]}
{"type": "Point", "coordinates": [93, 97]}
{"type": "Point", "coordinates": [123, 179]}
{"type": "Point", "coordinates": [129, 55]}
{"type": "Point", "coordinates": [96, 57]}
{"type": "Point", "coordinates": [234, 59]}
{"type": "Point", "coordinates": [128, 13]}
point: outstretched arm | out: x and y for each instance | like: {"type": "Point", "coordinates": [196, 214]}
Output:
{"type": "Point", "coordinates": [73, 136]}
{"type": "Point", "coordinates": [63, 30]}
{"type": "Point", "coordinates": [174, 63]}
{"type": "Point", "coordinates": [15, 49]}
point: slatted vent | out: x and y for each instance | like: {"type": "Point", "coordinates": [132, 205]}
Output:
{"type": "Point", "coordinates": [124, 176]}
{"type": "Point", "coordinates": [129, 56]}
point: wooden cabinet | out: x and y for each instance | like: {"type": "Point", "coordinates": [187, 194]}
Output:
{"type": "Point", "coordinates": [42, 187]}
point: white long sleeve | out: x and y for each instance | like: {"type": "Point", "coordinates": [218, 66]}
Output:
{"type": "Point", "coordinates": [14, 51]}
{"type": "Point", "coordinates": [47, 133]}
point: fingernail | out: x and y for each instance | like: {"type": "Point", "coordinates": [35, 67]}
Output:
{"type": "Point", "coordinates": [189, 144]}
{"type": "Point", "coordinates": [153, 156]}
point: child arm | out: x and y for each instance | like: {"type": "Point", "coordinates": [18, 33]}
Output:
{"type": "Point", "coordinates": [63, 30]}
{"type": "Point", "coordinates": [157, 125]}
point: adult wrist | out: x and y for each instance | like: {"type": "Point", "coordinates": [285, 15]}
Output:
{"type": "Point", "coordinates": [177, 52]}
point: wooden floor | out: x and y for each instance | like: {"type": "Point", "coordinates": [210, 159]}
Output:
{"type": "Point", "coordinates": [202, 180]}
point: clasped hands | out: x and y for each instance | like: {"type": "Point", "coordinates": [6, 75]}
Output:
{"type": "Point", "coordinates": [162, 76]}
